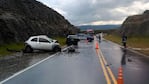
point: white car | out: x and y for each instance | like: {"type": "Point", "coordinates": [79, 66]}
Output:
{"type": "Point", "coordinates": [41, 42]}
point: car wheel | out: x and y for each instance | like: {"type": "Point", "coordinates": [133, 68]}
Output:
{"type": "Point", "coordinates": [28, 49]}
{"type": "Point", "coordinates": [56, 49]}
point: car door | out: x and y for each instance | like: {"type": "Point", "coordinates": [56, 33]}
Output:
{"type": "Point", "coordinates": [45, 44]}
{"type": "Point", "coordinates": [34, 43]}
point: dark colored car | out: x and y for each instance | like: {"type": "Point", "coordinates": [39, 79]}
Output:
{"type": "Point", "coordinates": [72, 40]}
{"type": "Point", "coordinates": [82, 36]}
{"type": "Point", "coordinates": [90, 38]}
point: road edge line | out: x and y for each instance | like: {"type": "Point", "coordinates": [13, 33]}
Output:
{"type": "Point", "coordinates": [27, 68]}
{"type": "Point", "coordinates": [131, 50]}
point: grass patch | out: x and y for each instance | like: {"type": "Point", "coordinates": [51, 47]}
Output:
{"type": "Point", "coordinates": [12, 46]}
{"type": "Point", "coordinates": [135, 42]}
{"type": "Point", "coordinates": [114, 38]}
{"type": "Point", "coordinates": [140, 42]}
{"type": "Point", "coordinates": [19, 46]}
{"type": "Point", "coordinates": [61, 40]}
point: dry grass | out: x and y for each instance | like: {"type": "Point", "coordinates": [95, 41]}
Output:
{"type": "Point", "coordinates": [135, 42]}
{"type": "Point", "coordinates": [61, 40]}
{"type": "Point", "coordinates": [114, 38]}
{"type": "Point", "coordinates": [139, 42]}
{"type": "Point", "coordinates": [13, 46]}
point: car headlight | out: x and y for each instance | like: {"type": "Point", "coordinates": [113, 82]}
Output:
{"type": "Point", "coordinates": [56, 42]}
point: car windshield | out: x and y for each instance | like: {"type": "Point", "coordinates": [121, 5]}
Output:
{"type": "Point", "coordinates": [49, 39]}
{"type": "Point", "coordinates": [73, 36]}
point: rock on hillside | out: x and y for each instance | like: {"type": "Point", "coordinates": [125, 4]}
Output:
{"type": "Point", "coordinates": [20, 19]}
{"type": "Point", "coordinates": [137, 25]}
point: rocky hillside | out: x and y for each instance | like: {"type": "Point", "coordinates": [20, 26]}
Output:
{"type": "Point", "coordinates": [137, 25]}
{"type": "Point", "coordinates": [20, 19]}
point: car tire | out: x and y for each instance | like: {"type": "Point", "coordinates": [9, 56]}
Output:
{"type": "Point", "coordinates": [28, 49]}
{"type": "Point", "coordinates": [57, 49]}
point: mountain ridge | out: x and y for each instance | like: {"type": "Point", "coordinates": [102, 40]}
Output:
{"type": "Point", "coordinates": [98, 27]}
{"type": "Point", "coordinates": [20, 19]}
{"type": "Point", "coordinates": [136, 25]}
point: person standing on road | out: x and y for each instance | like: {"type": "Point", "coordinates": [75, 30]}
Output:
{"type": "Point", "coordinates": [124, 40]}
{"type": "Point", "coordinates": [100, 36]}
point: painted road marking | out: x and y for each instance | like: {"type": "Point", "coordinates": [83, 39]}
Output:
{"type": "Point", "coordinates": [18, 73]}
{"type": "Point", "coordinates": [104, 63]}
{"type": "Point", "coordinates": [28, 68]}
{"type": "Point", "coordinates": [108, 68]}
{"type": "Point", "coordinates": [103, 68]}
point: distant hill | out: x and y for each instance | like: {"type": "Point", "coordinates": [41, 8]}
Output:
{"type": "Point", "coordinates": [98, 27]}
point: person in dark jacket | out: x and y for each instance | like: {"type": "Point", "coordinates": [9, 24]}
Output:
{"type": "Point", "coordinates": [124, 40]}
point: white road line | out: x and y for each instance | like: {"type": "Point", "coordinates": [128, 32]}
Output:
{"type": "Point", "coordinates": [128, 49]}
{"type": "Point", "coordinates": [140, 48]}
{"type": "Point", "coordinates": [18, 73]}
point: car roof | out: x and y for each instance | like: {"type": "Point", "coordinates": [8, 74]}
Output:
{"type": "Point", "coordinates": [40, 36]}
{"type": "Point", "coordinates": [81, 34]}
{"type": "Point", "coordinates": [72, 36]}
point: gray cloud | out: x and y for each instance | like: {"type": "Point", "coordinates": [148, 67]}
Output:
{"type": "Point", "coordinates": [89, 11]}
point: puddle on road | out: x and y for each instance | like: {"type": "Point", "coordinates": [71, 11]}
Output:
{"type": "Point", "coordinates": [14, 63]}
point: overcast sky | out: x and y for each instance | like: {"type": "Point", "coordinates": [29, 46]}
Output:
{"type": "Point", "coordinates": [97, 12]}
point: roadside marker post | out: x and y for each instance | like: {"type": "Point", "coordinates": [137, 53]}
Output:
{"type": "Point", "coordinates": [120, 76]}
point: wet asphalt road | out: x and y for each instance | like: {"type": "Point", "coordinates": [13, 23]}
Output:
{"type": "Point", "coordinates": [9, 65]}
{"type": "Point", "coordinates": [135, 67]}
{"type": "Point", "coordinates": [83, 67]}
